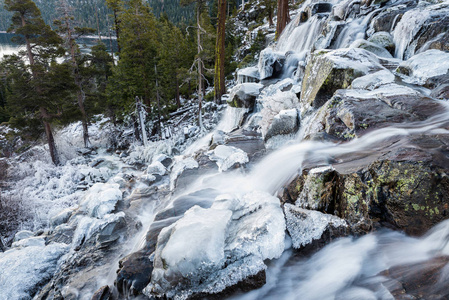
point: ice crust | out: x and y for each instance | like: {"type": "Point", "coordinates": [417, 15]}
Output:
{"type": "Point", "coordinates": [227, 156]}
{"type": "Point", "coordinates": [180, 165]}
{"type": "Point", "coordinates": [373, 81]}
{"type": "Point", "coordinates": [305, 226]}
{"type": "Point", "coordinates": [210, 249]}
{"type": "Point", "coordinates": [425, 65]}
{"type": "Point", "coordinates": [101, 199]}
{"type": "Point", "coordinates": [24, 270]}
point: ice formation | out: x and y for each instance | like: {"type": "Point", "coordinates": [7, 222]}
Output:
{"type": "Point", "coordinates": [227, 156]}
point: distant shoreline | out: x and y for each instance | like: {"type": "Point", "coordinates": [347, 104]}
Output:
{"type": "Point", "coordinates": [83, 37]}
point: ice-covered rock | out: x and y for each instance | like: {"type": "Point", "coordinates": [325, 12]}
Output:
{"type": "Point", "coordinates": [179, 167]}
{"type": "Point", "coordinates": [25, 270]}
{"type": "Point", "coordinates": [220, 246]}
{"type": "Point", "coordinates": [383, 39]}
{"type": "Point", "coordinates": [328, 71]}
{"type": "Point", "coordinates": [61, 217]}
{"type": "Point", "coordinates": [164, 159]}
{"type": "Point", "coordinates": [156, 168]}
{"type": "Point", "coordinates": [284, 123]}
{"type": "Point", "coordinates": [305, 226]}
{"type": "Point", "coordinates": [270, 63]}
{"type": "Point", "coordinates": [424, 66]}
{"type": "Point", "coordinates": [250, 74]}
{"type": "Point", "coordinates": [371, 47]}
{"type": "Point", "coordinates": [38, 241]}
{"type": "Point", "coordinates": [373, 81]}
{"type": "Point", "coordinates": [101, 199]}
{"type": "Point", "coordinates": [23, 234]}
{"type": "Point", "coordinates": [420, 27]}
{"type": "Point", "coordinates": [227, 156]}
{"type": "Point", "coordinates": [244, 95]}
{"type": "Point", "coordinates": [88, 228]}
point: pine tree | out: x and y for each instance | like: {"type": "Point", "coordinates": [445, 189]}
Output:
{"type": "Point", "coordinates": [70, 32]}
{"type": "Point", "coordinates": [40, 88]}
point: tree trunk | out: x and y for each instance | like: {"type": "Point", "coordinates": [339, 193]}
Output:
{"type": "Point", "coordinates": [178, 100]}
{"type": "Point", "coordinates": [117, 30]}
{"type": "Point", "coordinates": [50, 139]}
{"type": "Point", "coordinates": [200, 70]}
{"type": "Point", "coordinates": [220, 87]}
{"type": "Point", "coordinates": [282, 15]}
{"type": "Point", "coordinates": [28, 45]}
{"type": "Point", "coordinates": [79, 93]}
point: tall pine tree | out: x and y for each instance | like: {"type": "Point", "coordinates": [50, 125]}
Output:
{"type": "Point", "coordinates": [40, 88]}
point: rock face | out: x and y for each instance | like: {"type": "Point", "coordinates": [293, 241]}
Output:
{"type": "Point", "coordinates": [422, 28]}
{"type": "Point", "coordinates": [328, 71]}
{"type": "Point", "coordinates": [244, 95]}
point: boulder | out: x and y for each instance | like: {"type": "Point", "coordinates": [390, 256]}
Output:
{"type": "Point", "coordinates": [352, 113]}
{"type": "Point", "coordinates": [383, 39]}
{"type": "Point", "coordinates": [156, 168]}
{"type": "Point", "coordinates": [425, 68]}
{"type": "Point", "coordinates": [270, 63]}
{"type": "Point", "coordinates": [244, 95]}
{"type": "Point", "coordinates": [319, 8]}
{"type": "Point", "coordinates": [284, 123]}
{"type": "Point", "coordinates": [228, 157]}
{"type": "Point", "coordinates": [441, 92]}
{"type": "Point", "coordinates": [371, 47]}
{"type": "Point", "coordinates": [328, 71]}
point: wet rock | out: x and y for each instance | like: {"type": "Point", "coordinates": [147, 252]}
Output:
{"type": "Point", "coordinates": [384, 40]}
{"type": "Point", "coordinates": [270, 63]}
{"type": "Point", "coordinates": [244, 95]}
{"type": "Point", "coordinates": [422, 278]}
{"type": "Point", "coordinates": [103, 293]}
{"type": "Point", "coordinates": [328, 71]}
{"type": "Point", "coordinates": [351, 113]}
{"type": "Point", "coordinates": [249, 141]}
{"type": "Point", "coordinates": [441, 92]}
{"type": "Point", "coordinates": [284, 123]}
{"type": "Point", "coordinates": [371, 47]}
{"type": "Point", "coordinates": [319, 8]}
{"type": "Point", "coordinates": [165, 160]}
{"type": "Point", "coordinates": [134, 273]}
{"type": "Point", "coordinates": [387, 19]}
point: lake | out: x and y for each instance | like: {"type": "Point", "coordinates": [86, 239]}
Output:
{"type": "Point", "coordinates": [7, 47]}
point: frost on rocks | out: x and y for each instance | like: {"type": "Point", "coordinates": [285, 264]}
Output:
{"type": "Point", "coordinates": [101, 199]}
{"type": "Point", "coordinates": [305, 226]}
{"type": "Point", "coordinates": [373, 81]}
{"type": "Point", "coordinates": [156, 168]}
{"type": "Point", "coordinates": [221, 245]}
{"type": "Point", "coordinates": [243, 95]}
{"type": "Point", "coordinates": [423, 66]}
{"type": "Point", "coordinates": [227, 156]}
{"type": "Point", "coordinates": [25, 270]}
{"type": "Point", "coordinates": [23, 234]}
{"type": "Point", "coordinates": [32, 241]}
{"type": "Point", "coordinates": [179, 167]}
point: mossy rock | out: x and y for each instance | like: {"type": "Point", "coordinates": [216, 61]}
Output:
{"type": "Point", "coordinates": [328, 71]}
{"type": "Point", "coordinates": [383, 39]}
